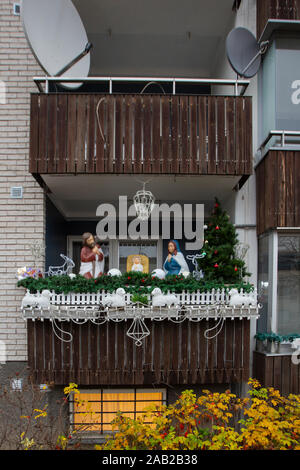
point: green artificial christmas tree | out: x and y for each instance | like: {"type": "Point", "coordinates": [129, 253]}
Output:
{"type": "Point", "coordinates": [220, 262]}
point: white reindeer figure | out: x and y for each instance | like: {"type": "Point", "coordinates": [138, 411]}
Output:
{"type": "Point", "coordinates": [197, 273]}
{"type": "Point", "coordinates": [63, 269]}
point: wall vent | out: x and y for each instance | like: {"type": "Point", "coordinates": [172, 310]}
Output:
{"type": "Point", "coordinates": [16, 192]}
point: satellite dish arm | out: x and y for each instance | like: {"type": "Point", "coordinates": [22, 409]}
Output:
{"type": "Point", "coordinates": [262, 50]}
{"type": "Point", "coordinates": [82, 54]}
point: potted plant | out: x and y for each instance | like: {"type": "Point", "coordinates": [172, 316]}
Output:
{"type": "Point", "coordinates": [273, 341]}
{"type": "Point", "coordinates": [260, 342]}
{"type": "Point", "coordinates": [285, 345]}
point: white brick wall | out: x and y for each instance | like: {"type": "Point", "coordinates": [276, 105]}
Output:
{"type": "Point", "coordinates": [24, 219]}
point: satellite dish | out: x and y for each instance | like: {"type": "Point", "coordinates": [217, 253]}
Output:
{"type": "Point", "coordinates": [244, 52]}
{"type": "Point", "coordinates": [57, 38]}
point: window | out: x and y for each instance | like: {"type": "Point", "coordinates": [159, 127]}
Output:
{"type": "Point", "coordinates": [263, 281]}
{"type": "Point", "coordinates": [92, 411]}
{"type": "Point", "coordinates": [288, 291]}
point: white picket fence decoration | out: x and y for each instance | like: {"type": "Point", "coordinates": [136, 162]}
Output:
{"type": "Point", "coordinates": [219, 296]}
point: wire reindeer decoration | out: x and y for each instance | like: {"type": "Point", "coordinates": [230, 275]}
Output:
{"type": "Point", "coordinates": [197, 273]}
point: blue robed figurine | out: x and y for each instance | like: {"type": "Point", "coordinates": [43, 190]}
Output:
{"type": "Point", "coordinates": [175, 262]}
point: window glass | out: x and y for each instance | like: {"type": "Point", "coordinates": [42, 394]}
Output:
{"type": "Point", "coordinates": [94, 411]}
{"type": "Point", "coordinates": [288, 290]}
{"type": "Point", "coordinates": [263, 281]}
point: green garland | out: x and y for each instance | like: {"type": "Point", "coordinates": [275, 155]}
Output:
{"type": "Point", "coordinates": [132, 282]}
{"type": "Point", "coordinates": [276, 338]}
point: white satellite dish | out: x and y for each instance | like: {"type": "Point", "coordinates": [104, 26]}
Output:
{"type": "Point", "coordinates": [57, 37]}
{"type": "Point", "coordinates": [244, 52]}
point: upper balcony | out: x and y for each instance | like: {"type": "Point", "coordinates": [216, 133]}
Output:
{"type": "Point", "coordinates": [84, 133]}
{"type": "Point", "coordinates": [276, 10]}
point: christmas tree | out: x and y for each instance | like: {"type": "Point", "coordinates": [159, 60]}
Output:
{"type": "Point", "coordinates": [220, 262]}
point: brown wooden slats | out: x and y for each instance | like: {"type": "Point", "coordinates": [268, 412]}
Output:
{"type": "Point", "coordinates": [71, 133]}
{"type": "Point", "coordinates": [297, 189]}
{"type": "Point", "coordinates": [119, 134]}
{"type": "Point", "coordinates": [202, 122]}
{"type": "Point", "coordinates": [156, 144]}
{"type": "Point", "coordinates": [34, 134]}
{"type": "Point", "coordinates": [221, 157]}
{"type": "Point", "coordinates": [290, 190]}
{"type": "Point", "coordinates": [165, 119]}
{"type": "Point", "coordinates": [185, 156]}
{"type": "Point", "coordinates": [276, 9]}
{"type": "Point", "coordinates": [147, 132]}
{"type": "Point", "coordinates": [231, 136]}
{"type": "Point", "coordinates": [62, 116]}
{"type": "Point", "coordinates": [100, 134]}
{"type": "Point", "coordinates": [278, 372]}
{"type": "Point", "coordinates": [110, 134]}
{"type": "Point", "coordinates": [278, 194]}
{"type": "Point", "coordinates": [90, 133]}
{"type": "Point", "coordinates": [174, 134]}
{"type": "Point", "coordinates": [52, 133]}
{"type": "Point", "coordinates": [42, 125]}
{"type": "Point", "coordinates": [137, 165]}
{"type": "Point", "coordinates": [172, 354]}
{"type": "Point", "coordinates": [240, 127]}
{"type": "Point", "coordinates": [248, 149]}
{"type": "Point", "coordinates": [229, 352]}
{"type": "Point", "coordinates": [212, 135]}
{"type": "Point", "coordinates": [193, 167]}
{"type": "Point", "coordinates": [80, 134]}
{"type": "Point", "coordinates": [85, 133]}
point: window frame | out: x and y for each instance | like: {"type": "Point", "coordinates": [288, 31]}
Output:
{"type": "Point", "coordinates": [100, 391]}
{"type": "Point", "coordinates": [272, 318]}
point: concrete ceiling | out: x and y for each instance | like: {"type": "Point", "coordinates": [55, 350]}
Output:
{"type": "Point", "coordinates": [155, 38]}
{"type": "Point", "coordinates": [77, 197]}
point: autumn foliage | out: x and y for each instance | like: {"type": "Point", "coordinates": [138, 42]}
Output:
{"type": "Point", "coordinates": [264, 420]}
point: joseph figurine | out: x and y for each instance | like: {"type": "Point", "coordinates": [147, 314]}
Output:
{"type": "Point", "coordinates": [91, 257]}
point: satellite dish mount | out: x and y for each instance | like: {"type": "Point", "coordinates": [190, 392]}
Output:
{"type": "Point", "coordinates": [244, 52]}
{"type": "Point", "coordinates": [82, 54]}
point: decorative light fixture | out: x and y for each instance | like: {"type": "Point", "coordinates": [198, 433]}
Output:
{"type": "Point", "coordinates": [144, 202]}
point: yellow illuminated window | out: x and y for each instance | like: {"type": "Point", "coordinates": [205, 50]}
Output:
{"type": "Point", "coordinates": [93, 411]}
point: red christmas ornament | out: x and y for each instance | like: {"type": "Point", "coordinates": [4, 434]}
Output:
{"type": "Point", "coordinates": [216, 252]}
{"type": "Point", "coordinates": [216, 265]}
{"type": "Point", "coordinates": [216, 204]}
{"type": "Point", "coordinates": [217, 227]}
{"type": "Point", "coordinates": [235, 268]}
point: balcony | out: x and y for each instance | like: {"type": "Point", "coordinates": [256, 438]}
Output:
{"type": "Point", "coordinates": [276, 10]}
{"type": "Point", "coordinates": [204, 339]}
{"type": "Point", "coordinates": [140, 134]}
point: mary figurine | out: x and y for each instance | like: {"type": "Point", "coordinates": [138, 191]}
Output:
{"type": "Point", "coordinates": [175, 262]}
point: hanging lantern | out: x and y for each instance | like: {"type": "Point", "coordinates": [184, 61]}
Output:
{"type": "Point", "coordinates": [144, 202]}
{"type": "Point", "coordinates": [138, 331]}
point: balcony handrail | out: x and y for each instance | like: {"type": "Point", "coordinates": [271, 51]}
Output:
{"type": "Point", "coordinates": [211, 81]}
{"type": "Point", "coordinates": [279, 133]}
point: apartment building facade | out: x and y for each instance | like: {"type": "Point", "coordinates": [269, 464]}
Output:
{"type": "Point", "coordinates": [197, 139]}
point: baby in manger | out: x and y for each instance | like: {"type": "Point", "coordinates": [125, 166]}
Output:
{"type": "Point", "coordinates": [137, 264]}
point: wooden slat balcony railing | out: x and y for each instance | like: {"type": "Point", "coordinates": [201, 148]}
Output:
{"type": "Point", "coordinates": [162, 134]}
{"type": "Point", "coordinates": [278, 371]}
{"type": "Point", "coordinates": [172, 353]}
{"type": "Point", "coordinates": [276, 10]}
